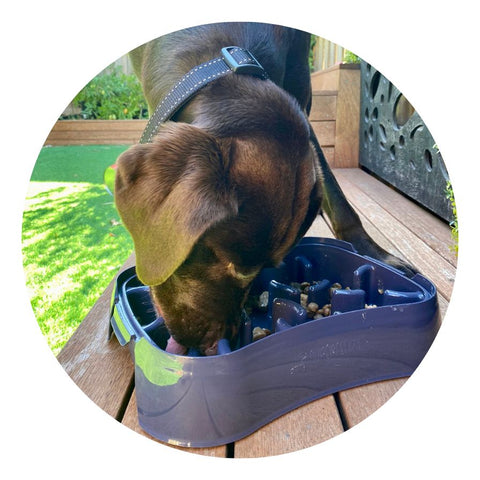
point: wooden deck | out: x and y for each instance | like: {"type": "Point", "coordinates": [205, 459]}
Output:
{"type": "Point", "coordinates": [104, 370]}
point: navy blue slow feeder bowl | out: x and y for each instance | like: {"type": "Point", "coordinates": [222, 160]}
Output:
{"type": "Point", "coordinates": [207, 401]}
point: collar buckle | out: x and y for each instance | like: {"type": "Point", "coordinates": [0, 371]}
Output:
{"type": "Point", "coordinates": [240, 60]}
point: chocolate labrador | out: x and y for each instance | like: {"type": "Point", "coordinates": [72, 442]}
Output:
{"type": "Point", "coordinates": [226, 184]}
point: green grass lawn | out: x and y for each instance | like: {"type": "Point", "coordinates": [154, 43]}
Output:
{"type": "Point", "coordinates": [73, 242]}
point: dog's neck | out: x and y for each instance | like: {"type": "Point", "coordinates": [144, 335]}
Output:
{"type": "Point", "coordinates": [234, 60]}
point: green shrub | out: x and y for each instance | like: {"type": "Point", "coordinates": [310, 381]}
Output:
{"type": "Point", "coordinates": [313, 41]}
{"type": "Point", "coordinates": [350, 57]}
{"type": "Point", "coordinates": [111, 96]}
{"type": "Point", "coordinates": [454, 222]}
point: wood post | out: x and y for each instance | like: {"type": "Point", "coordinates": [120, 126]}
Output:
{"type": "Point", "coordinates": [345, 80]}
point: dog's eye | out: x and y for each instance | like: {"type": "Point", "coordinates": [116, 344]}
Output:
{"type": "Point", "coordinates": [242, 274]}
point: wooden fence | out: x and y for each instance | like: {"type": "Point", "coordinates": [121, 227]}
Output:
{"type": "Point", "coordinates": [96, 132]}
{"type": "Point", "coordinates": [334, 116]}
{"type": "Point", "coordinates": [326, 54]}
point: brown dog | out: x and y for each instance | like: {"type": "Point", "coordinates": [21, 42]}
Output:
{"type": "Point", "coordinates": [231, 184]}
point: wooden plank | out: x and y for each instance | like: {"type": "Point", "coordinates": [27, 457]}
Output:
{"type": "Point", "coordinates": [100, 367]}
{"type": "Point", "coordinates": [427, 260]}
{"type": "Point", "coordinates": [345, 79]}
{"type": "Point", "coordinates": [108, 141]}
{"type": "Point", "coordinates": [130, 420]}
{"type": "Point", "coordinates": [325, 132]}
{"type": "Point", "coordinates": [324, 106]}
{"type": "Point", "coordinates": [329, 153]}
{"type": "Point", "coordinates": [319, 228]}
{"type": "Point", "coordinates": [348, 119]}
{"type": "Point", "coordinates": [327, 79]}
{"type": "Point", "coordinates": [301, 428]}
{"type": "Point", "coordinates": [360, 402]}
{"type": "Point", "coordinates": [102, 132]}
{"type": "Point", "coordinates": [379, 237]}
{"type": "Point", "coordinates": [433, 231]}
{"type": "Point", "coordinates": [370, 228]}
{"type": "Point", "coordinates": [95, 125]}
{"type": "Point", "coordinates": [385, 243]}
{"type": "Point", "coordinates": [92, 136]}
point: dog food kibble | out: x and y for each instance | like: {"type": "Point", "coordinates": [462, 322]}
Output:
{"type": "Point", "coordinates": [256, 302]}
{"type": "Point", "coordinates": [335, 286]}
{"type": "Point", "coordinates": [303, 300]}
{"type": "Point", "coordinates": [263, 300]}
{"type": "Point", "coordinates": [312, 309]}
{"type": "Point", "coordinates": [259, 333]}
{"type": "Point", "coordinates": [326, 310]}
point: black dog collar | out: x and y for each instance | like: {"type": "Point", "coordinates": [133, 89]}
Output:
{"type": "Point", "coordinates": [233, 59]}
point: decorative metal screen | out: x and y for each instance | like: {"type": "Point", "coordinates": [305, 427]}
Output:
{"type": "Point", "coordinates": [396, 145]}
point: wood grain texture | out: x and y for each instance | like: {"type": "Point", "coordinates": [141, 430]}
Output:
{"type": "Point", "coordinates": [327, 79]}
{"type": "Point", "coordinates": [319, 228]}
{"type": "Point", "coordinates": [430, 229]}
{"type": "Point", "coordinates": [324, 106]}
{"type": "Point", "coordinates": [360, 402]}
{"type": "Point", "coordinates": [414, 249]}
{"type": "Point", "coordinates": [345, 80]}
{"type": "Point", "coordinates": [325, 133]}
{"type": "Point", "coordinates": [348, 119]}
{"type": "Point", "coordinates": [329, 153]}
{"type": "Point", "coordinates": [96, 132]}
{"type": "Point", "coordinates": [303, 427]}
{"type": "Point", "coordinates": [379, 237]}
{"type": "Point", "coordinates": [99, 366]}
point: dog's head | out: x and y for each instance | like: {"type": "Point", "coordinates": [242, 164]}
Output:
{"type": "Point", "coordinates": [206, 215]}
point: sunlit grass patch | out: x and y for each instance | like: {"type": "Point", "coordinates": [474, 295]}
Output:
{"type": "Point", "coordinates": [73, 242]}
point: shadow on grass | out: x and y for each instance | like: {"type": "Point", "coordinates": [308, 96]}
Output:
{"type": "Point", "coordinates": [75, 226]}
{"type": "Point", "coordinates": [73, 242]}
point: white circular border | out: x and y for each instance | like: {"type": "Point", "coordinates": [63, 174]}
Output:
{"type": "Point", "coordinates": [50, 50]}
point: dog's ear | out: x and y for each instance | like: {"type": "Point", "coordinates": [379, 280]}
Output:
{"type": "Point", "coordinates": [169, 192]}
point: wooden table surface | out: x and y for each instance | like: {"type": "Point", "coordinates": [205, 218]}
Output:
{"type": "Point", "coordinates": [105, 372]}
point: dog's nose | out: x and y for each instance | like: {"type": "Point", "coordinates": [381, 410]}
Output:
{"type": "Point", "coordinates": [174, 347]}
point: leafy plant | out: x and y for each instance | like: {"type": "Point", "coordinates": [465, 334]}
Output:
{"type": "Point", "coordinates": [111, 96]}
{"type": "Point", "coordinates": [454, 223]}
{"type": "Point", "coordinates": [350, 57]}
{"type": "Point", "coordinates": [313, 41]}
